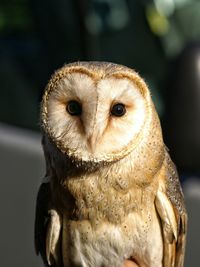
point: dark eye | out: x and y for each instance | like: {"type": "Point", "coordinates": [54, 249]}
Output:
{"type": "Point", "coordinates": [74, 108]}
{"type": "Point", "coordinates": [118, 110]}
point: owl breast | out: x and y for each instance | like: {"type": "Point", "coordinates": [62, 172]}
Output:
{"type": "Point", "coordinates": [110, 244]}
{"type": "Point", "coordinates": [110, 222]}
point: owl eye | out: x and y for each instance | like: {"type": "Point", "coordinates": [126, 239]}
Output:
{"type": "Point", "coordinates": [74, 108]}
{"type": "Point", "coordinates": [118, 110]}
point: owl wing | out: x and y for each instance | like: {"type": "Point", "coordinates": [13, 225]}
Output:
{"type": "Point", "coordinates": [169, 204]}
{"type": "Point", "coordinates": [47, 228]}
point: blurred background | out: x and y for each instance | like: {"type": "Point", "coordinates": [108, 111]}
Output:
{"type": "Point", "coordinates": [158, 38]}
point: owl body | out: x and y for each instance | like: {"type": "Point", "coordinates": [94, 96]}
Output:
{"type": "Point", "coordinates": [113, 191]}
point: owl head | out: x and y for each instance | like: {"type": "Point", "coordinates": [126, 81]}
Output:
{"type": "Point", "coordinates": [95, 111]}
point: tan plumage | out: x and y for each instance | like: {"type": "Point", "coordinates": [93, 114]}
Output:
{"type": "Point", "coordinates": [113, 192]}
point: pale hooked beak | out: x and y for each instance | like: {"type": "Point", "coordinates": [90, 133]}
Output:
{"type": "Point", "coordinates": [93, 140]}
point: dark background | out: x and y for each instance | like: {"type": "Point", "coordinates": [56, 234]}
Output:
{"type": "Point", "coordinates": [159, 39]}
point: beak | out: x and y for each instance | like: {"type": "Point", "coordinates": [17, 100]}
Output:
{"type": "Point", "coordinates": [93, 139]}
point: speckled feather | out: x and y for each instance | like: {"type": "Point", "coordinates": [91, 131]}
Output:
{"type": "Point", "coordinates": [108, 207]}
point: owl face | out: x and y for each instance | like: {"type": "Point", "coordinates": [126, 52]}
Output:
{"type": "Point", "coordinates": [95, 113]}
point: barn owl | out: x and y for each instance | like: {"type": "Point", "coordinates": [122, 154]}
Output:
{"type": "Point", "coordinates": [111, 191]}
